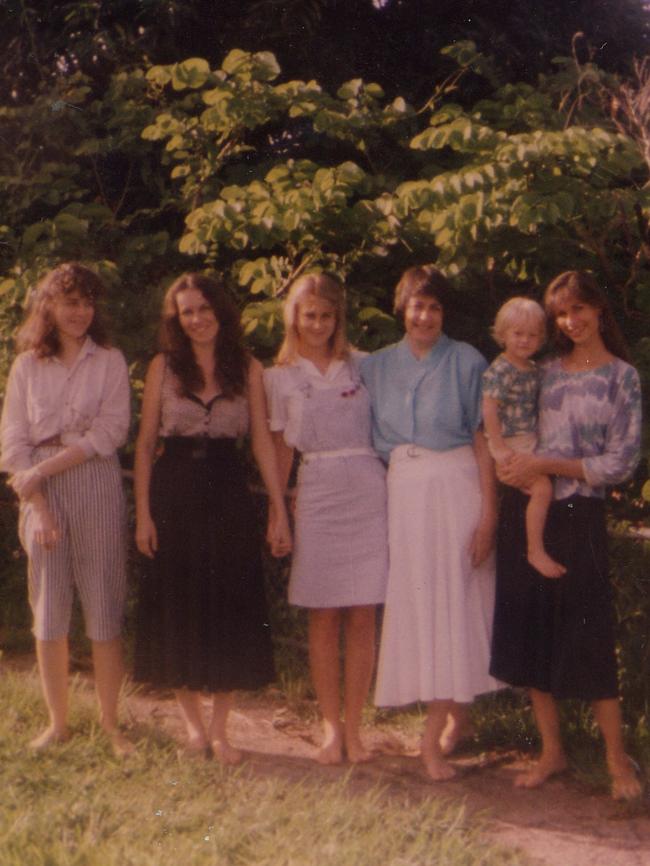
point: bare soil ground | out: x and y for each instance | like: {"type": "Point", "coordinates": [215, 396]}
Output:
{"type": "Point", "coordinates": [559, 825]}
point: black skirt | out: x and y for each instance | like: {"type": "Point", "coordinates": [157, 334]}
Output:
{"type": "Point", "coordinates": [202, 621]}
{"type": "Point", "coordinates": [556, 636]}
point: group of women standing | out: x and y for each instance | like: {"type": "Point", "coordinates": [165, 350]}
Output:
{"type": "Point", "coordinates": [417, 536]}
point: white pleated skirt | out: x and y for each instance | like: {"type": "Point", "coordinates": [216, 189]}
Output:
{"type": "Point", "coordinates": [435, 642]}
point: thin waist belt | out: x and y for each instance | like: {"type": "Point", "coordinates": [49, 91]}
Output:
{"type": "Point", "coordinates": [308, 456]}
{"type": "Point", "coordinates": [199, 447]}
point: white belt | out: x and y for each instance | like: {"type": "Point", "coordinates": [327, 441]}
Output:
{"type": "Point", "coordinates": [308, 456]}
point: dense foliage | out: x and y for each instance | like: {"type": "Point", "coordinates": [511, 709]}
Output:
{"type": "Point", "coordinates": [186, 165]}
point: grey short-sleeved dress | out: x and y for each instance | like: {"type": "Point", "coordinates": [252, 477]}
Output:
{"type": "Point", "coordinates": [340, 554]}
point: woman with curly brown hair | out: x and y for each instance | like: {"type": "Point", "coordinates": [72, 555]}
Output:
{"type": "Point", "coordinates": [202, 622]}
{"type": "Point", "coordinates": [66, 411]}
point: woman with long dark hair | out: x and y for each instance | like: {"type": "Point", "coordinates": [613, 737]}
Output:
{"type": "Point", "coordinates": [65, 413]}
{"type": "Point", "coordinates": [202, 621]}
{"type": "Point", "coordinates": [556, 637]}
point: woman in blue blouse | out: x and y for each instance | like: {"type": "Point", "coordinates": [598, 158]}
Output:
{"type": "Point", "coordinates": [426, 394]}
{"type": "Point", "coordinates": [556, 637]}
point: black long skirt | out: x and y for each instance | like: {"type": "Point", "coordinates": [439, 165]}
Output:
{"type": "Point", "coordinates": [202, 620]}
{"type": "Point", "coordinates": [556, 636]}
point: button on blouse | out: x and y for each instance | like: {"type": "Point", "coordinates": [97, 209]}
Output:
{"type": "Point", "coordinates": [434, 402]}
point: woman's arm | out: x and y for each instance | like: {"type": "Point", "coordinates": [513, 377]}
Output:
{"type": "Point", "coordinates": [521, 469]}
{"type": "Point", "coordinates": [266, 458]}
{"type": "Point", "coordinates": [107, 430]}
{"type": "Point", "coordinates": [146, 538]}
{"type": "Point", "coordinates": [483, 539]}
{"type": "Point", "coordinates": [28, 481]}
{"type": "Point", "coordinates": [46, 530]}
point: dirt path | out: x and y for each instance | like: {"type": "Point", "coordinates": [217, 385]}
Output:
{"type": "Point", "coordinates": [560, 825]}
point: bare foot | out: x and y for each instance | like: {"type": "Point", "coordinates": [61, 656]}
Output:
{"type": "Point", "coordinates": [626, 782]}
{"type": "Point", "coordinates": [331, 752]}
{"type": "Point", "coordinates": [356, 751]}
{"type": "Point", "coordinates": [226, 754]}
{"type": "Point", "coordinates": [455, 731]}
{"type": "Point", "coordinates": [50, 737]}
{"type": "Point", "coordinates": [122, 747]}
{"type": "Point", "coordinates": [541, 771]}
{"type": "Point", "coordinates": [548, 567]}
{"type": "Point", "coordinates": [438, 769]}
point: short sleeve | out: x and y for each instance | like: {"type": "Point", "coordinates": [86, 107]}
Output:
{"type": "Point", "coordinates": [276, 398]}
{"type": "Point", "coordinates": [492, 382]}
{"type": "Point", "coordinates": [471, 388]}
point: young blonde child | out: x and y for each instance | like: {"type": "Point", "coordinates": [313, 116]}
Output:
{"type": "Point", "coordinates": [510, 391]}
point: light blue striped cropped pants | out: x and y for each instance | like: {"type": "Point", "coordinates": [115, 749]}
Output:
{"type": "Point", "coordinates": [88, 505]}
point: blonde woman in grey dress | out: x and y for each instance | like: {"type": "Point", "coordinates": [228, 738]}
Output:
{"type": "Point", "coordinates": [319, 407]}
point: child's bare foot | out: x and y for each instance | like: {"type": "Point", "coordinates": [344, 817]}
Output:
{"type": "Point", "coordinates": [626, 782]}
{"type": "Point", "coordinates": [456, 730]}
{"type": "Point", "coordinates": [356, 751]}
{"type": "Point", "coordinates": [50, 737]}
{"type": "Point", "coordinates": [542, 562]}
{"type": "Point", "coordinates": [541, 771]}
{"type": "Point", "coordinates": [226, 753]}
{"type": "Point", "coordinates": [438, 769]}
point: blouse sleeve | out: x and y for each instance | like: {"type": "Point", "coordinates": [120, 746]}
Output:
{"type": "Point", "coordinates": [471, 390]}
{"type": "Point", "coordinates": [14, 427]}
{"type": "Point", "coordinates": [622, 448]}
{"type": "Point", "coordinates": [110, 426]}
{"type": "Point", "coordinates": [275, 398]}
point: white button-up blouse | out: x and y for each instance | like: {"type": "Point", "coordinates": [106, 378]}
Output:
{"type": "Point", "coordinates": [87, 404]}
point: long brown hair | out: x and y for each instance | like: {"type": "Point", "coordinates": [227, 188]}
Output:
{"type": "Point", "coordinates": [231, 357]}
{"type": "Point", "coordinates": [39, 332]}
{"type": "Point", "coordinates": [317, 285]}
{"type": "Point", "coordinates": [583, 287]}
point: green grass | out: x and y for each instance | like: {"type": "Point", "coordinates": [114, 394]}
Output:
{"type": "Point", "coordinates": [76, 805]}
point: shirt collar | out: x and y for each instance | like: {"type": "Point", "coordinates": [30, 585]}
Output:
{"type": "Point", "coordinates": [431, 358]}
{"type": "Point", "coordinates": [89, 347]}
{"type": "Point", "coordinates": [311, 369]}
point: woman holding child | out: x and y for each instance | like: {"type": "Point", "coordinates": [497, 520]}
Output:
{"type": "Point", "coordinates": [556, 637]}
{"type": "Point", "coordinates": [426, 404]}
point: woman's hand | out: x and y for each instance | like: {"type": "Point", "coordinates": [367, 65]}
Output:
{"type": "Point", "coordinates": [483, 539]}
{"type": "Point", "coordinates": [146, 537]}
{"type": "Point", "coordinates": [519, 471]}
{"type": "Point", "coordinates": [46, 531]}
{"type": "Point", "coordinates": [502, 455]}
{"type": "Point", "coordinates": [279, 534]}
{"type": "Point", "coordinates": [26, 482]}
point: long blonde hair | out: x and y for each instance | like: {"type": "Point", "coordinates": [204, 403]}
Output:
{"type": "Point", "coordinates": [319, 285]}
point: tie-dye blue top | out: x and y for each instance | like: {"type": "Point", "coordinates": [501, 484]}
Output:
{"type": "Point", "coordinates": [594, 415]}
